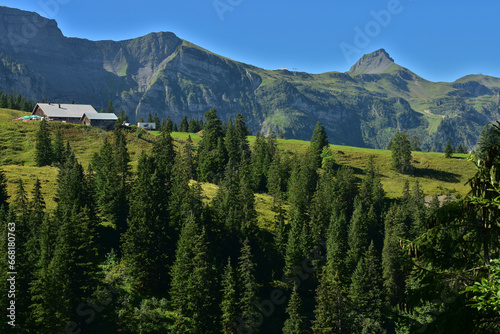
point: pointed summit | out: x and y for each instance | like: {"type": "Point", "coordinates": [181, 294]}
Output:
{"type": "Point", "coordinates": [374, 63]}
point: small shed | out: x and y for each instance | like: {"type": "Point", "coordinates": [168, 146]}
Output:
{"type": "Point", "coordinates": [105, 121]}
{"type": "Point", "coordinates": [147, 126]}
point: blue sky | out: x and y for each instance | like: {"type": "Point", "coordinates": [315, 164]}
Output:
{"type": "Point", "coordinates": [441, 41]}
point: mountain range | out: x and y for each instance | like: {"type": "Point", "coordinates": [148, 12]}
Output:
{"type": "Point", "coordinates": [161, 73]}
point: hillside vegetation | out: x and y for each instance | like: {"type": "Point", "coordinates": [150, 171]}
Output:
{"type": "Point", "coordinates": [436, 174]}
{"type": "Point", "coordinates": [177, 233]}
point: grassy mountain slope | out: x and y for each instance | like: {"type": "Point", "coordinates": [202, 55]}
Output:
{"type": "Point", "coordinates": [435, 174]}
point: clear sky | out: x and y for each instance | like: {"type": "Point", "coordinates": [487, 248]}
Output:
{"type": "Point", "coordinates": [441, 40]}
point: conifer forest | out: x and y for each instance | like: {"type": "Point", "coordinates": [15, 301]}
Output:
{"type": "Point", "coordinates": [142, 250]}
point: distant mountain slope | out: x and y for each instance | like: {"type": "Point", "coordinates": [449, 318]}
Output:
{"type": "Point", "coordinates": [161, 73]}
{"type": "Point", "coordinates": [375, 63]}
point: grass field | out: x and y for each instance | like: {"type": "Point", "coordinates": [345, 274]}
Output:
{"type": "Point", "coordinates": [436, 174]}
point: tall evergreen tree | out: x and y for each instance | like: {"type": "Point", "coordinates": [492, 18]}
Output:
{"type": "Point", "coordinates": [20, 216]}
{"type": "Point", "coordinates": [110, 109]}
{"type": "Point", "coordinates": [229, 306]}
{"type": "Point", "coordinates": [296, 320]}
{"type": "Point", "coordinates": [157, 121]}
{"type": "Point", "coordinates": [318, 142]}
{"type": "Point", "coordinates": [121, 159]}
{"type": "Point", "coordinates": [146, 244]}
{"type": "Point", "coordinates": [191, 288]}
{"type": "Point", "coordinates": [330, 313]}
{"type": "Point", "coordinates": [392, 255]}
{"type": "Point", "coordinates": [264, 150]}
{"type": "Point", "coordinates": [73, 193]}
{"type": "Point", "coordinates": [358, 235]}
{"type": "Point", "coordinates": [401, 152]}
{"type": "Point", "coordinates": [247, 284]}
{"type": "Point", "coordinates": [211, 149]}
{"type": "Point", "coordinates": [169, 126]}
{"type": "Point", "coordinates": [41, 287]}
{"type": "Point", "coordinates": [106, 182]}
{"type": "Point", "coordinates": [448, 150]}
{"type": "Point", "coordinates": [184, 126]}
{"type": "Point", "coordinates": [346, 190]}
{"type": "Point", "coordinates": [365, 294]}
{"type": "Point", "coordinates": [73, 268]}
{"type": "Point", "coordinates": [43, 155]}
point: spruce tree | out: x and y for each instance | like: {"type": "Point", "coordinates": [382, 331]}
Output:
{"type": "Point", "coordinates": [318, 142]}
{"type": "Point", "coordinates": [200, 286]}
{"type": "Point", "coordinates": [184, 126]}
{"type": "Point", "coordinates": [330, 313]}
{"type": "Point", "coordinates": [20, 216]}
{"type": "Point", "coordinates": [276, 180]}
{"type": "Point", "coordinates": [44, 153]}
{"type": "Point", "coordinates": [36, 207]}
{"type": "Point", "coordinates": [296, 320]}
{"type": "Point", "coordinates": [246, 198]}
{"type": "Point", "coordinates": [73, 193]}
{"type": "Point", "coordinates": [229, 306]}
{"type": "Point", "coordinates": [365, 294]}
{"type": "Point", "coordinates": [232, 145]}
{"type": "Point", "coordinates": [106, 182]}
{"type": "Point", "coordinates": [157, 121]}
{"type": "Point", "coordinates": [146, 244]}
{"type": "Point", "coordinates": [293, 254]}
{"type": "Point", "coordinates": [248, 285]}
{"type": "Point", "coordinates": [42, 286]}
{"type": "Point", "coordinates": [73, 268]}
{"type": "Point", "coordinates": [321, 207]}
{"type": "Point", "coordinates": [448, 150]}
{"type": "Point", "coordinates": [358, 236]}
{"type": "Point", "coordinates": [401, 153]}
{"type": "Point", "coordinates": [184, 200]}
{"type": "Point", "coordinates": [281, 230]}
{"type": "Point", "coordinates": [345, 192]}
{"type": "Point", "coordinates": [393, 256]}
{"type": "Point", "coordinates": [212, 159]}
{"type": "Point", "coordinates": [121, 159]}
{"type": "Point", "coordinates": [111, 109]}
{"type": "Point", "coordinates": [192, 279]}
{"type": "Point", "coordinates": [182, 266]}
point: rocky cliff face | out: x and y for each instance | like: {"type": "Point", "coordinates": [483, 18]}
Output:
{"type": "Point", "coordinates": [160, 73]}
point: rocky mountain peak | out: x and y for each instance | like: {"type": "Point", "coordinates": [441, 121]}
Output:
{"type": "Point", "coordinates": [374, 63]}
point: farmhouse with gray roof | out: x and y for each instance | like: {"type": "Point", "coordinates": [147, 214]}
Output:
{"type": "Point", "coordinates": [69, 113]}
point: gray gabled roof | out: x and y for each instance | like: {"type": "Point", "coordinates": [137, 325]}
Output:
{"type": "Point", "coordinates": [66, 110]}
{"type": "Point", "coordinates": [101, 116]}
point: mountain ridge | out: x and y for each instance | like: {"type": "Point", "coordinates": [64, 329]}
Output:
{"type": "Point", "coordinates": [161, 73]}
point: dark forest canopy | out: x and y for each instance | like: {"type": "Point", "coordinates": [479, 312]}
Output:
{"type": "Point", "coordinates": [143, 251]}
